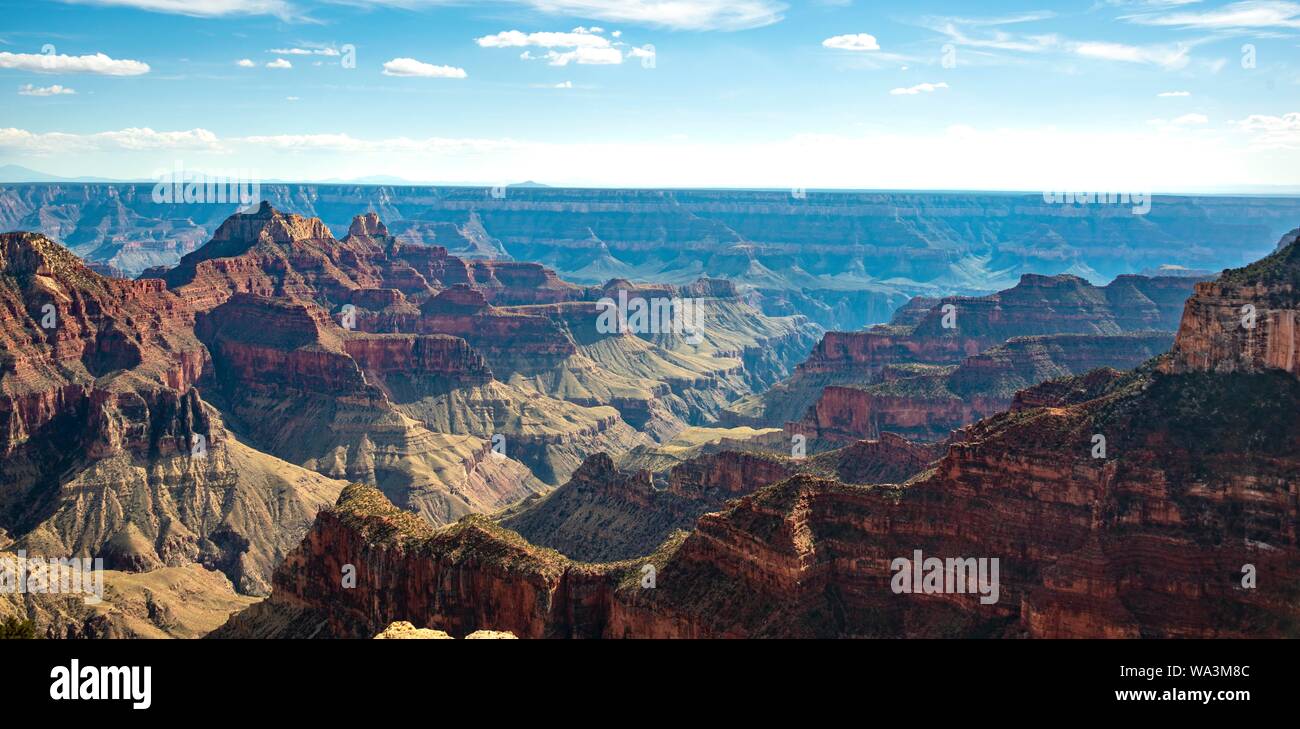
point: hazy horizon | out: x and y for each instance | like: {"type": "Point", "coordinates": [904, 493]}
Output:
{"type": "Point", "coordinates": [694, 94]}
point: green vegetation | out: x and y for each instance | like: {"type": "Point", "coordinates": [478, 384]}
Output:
{"type": "Point", "coordinates": [15, 629]}
{"type": "Point", "coordinates": [1277, 270]}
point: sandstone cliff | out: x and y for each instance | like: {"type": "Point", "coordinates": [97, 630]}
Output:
{"type": "Point", "coordinates": [1247, 321]}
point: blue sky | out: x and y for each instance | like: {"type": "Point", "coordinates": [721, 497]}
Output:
{"type": "Point", "coordinates": [1140, 95]}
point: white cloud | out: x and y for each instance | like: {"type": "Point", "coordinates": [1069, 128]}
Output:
{"type": "Point", "coordinates": [1166, 94]}
{"type": "Point", "coordinates": [54, 63]}
{"type": "Point", "coordinates": [412, 67]}
{"type": "Point", "coordinates": [245, 63]}
{"type": "Point", "coordinates": [55, 90]}
{"type": "Point", "coordinates": [1187, 119]}
{"type": "Point", "coordinates": [919, 88]}
{"type": "Point", "coordinates": [563, 85]}
{"type": "Point", "coordinates": [852, 42]}
{"type": "Point", "coordinates": [583, 46]}
{"type": "Point", "coordinates": [279, 63]}
{"type": "Point", "coordinates": [1248, 15]}
{"type": "Point", "coordinates": [580, 37]}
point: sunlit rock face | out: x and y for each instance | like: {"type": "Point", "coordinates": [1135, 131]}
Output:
{"type": "Point", "coordinates": [1247, 321]}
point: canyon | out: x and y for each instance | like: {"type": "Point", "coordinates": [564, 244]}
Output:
{"type": "Point", "coordinates": [1157, 535]}
{"type": "Point", "coordinates": [469, 438]}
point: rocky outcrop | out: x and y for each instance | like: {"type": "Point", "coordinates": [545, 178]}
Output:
{"type": "Point", "coordinates": [443, 579]}
{"type": "Point", "coordinates": [1247, 321]}
{"type": "Point", "coordinates": [403, 630]}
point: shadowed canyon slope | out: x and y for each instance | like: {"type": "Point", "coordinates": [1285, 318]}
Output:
{"type": "Point", "coordinates": [844, 259]}
{"type": "Point", "coordinates": [1154, 535]}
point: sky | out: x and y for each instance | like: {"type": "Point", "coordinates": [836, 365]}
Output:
{"type": "Point", "coordinates": [1095, 95]}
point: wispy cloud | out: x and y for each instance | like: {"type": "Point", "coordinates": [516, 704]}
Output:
{"type": "Point", "coordinates": [981, 34]}
{"type": "Point", "coordinates": [1167, 94]}
{"type": "Point", "coordinates": [279, 63]}
{"type": "Point", "coordinates": [1166, 56]}
{"type": "Point", "coordinates": [724, 15]}
{"type": "Point", "coordinates": [200, 8]}
{"type": "Point", "coordinates": [135, 139]}
{"type": "Point", "coordinates": [55, 90]}
{"type": "Point", "coordinates": [1247, 15]}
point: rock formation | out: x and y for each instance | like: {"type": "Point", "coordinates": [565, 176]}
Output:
{"type": "Point", "coordinates": [1246, 321]}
